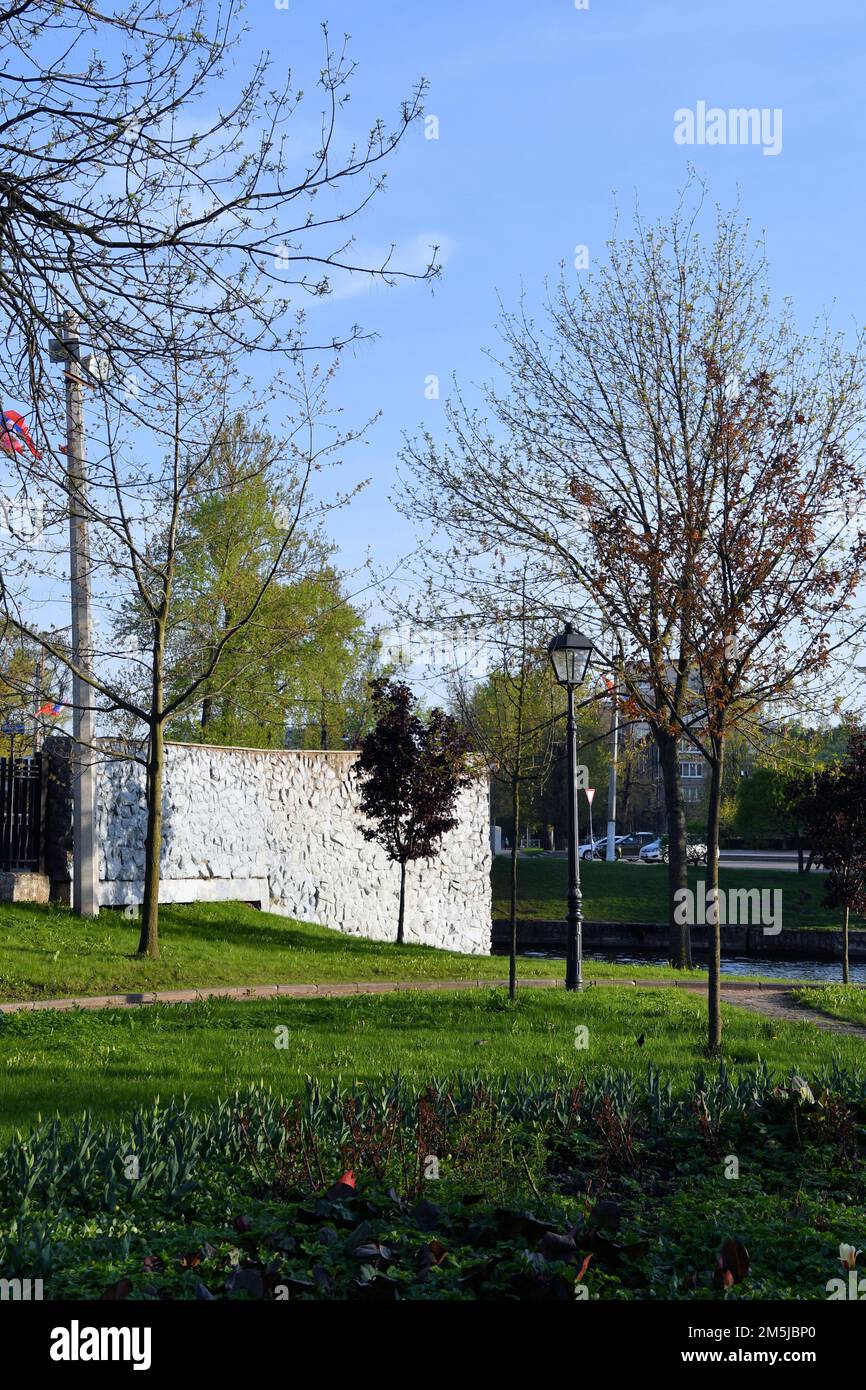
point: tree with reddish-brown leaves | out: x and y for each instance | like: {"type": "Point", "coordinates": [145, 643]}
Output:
{"type": "Point", "coordinates": [777, 558]}
{"type": "Point", "coordinates": [411, 771]}
{"type": "Point", "coordinates": [667, 444]}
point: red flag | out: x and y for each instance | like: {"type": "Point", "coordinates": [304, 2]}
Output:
{"type": "Point", "coordinates": [15, 434]}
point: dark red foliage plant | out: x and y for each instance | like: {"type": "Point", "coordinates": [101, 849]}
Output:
{"type": "Point", "coordinates": [411, 771]}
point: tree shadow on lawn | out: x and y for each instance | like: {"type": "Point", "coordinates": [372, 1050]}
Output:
{"type": "Point", "coordinates": [271, 932]}
{"type": "Point", "coordinates": [188, 925]}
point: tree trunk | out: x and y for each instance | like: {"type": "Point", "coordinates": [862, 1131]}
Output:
{"type": "Point", "coordinates": [402, 902]}
{"type": "Point", "coordinates": [323, 723]}
{"type": "Point", "coordinates": [714, 990]}
{"type": "Point", "coordinates": [679, 941]}
{"type": "Point", "coordinates": [207, 703]}
{"type": "Point", "coordinates": [512, 949]}
{"type": "Point", "coordinates": [846, 978]}
{"type": "Point", "coordinates": [148, 944]}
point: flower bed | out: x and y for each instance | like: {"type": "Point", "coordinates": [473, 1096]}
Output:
{"type": "Point", "coordinates": [541, 1188]}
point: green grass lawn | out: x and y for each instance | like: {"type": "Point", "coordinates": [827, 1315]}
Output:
{"type": "Point", "coordinates": [847, 1002]}
{"type": "Point", "coordinates": [111, 1060]}
{"type": "Point", "coordinates": [47, 953]}
{"type": "Point", "coordinates": [626, 892]}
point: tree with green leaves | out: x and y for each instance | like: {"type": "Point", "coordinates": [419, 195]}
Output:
{"type": "Point", "coordinates": [339, 711]}
{"type": "Point", "coordinates": [547, 803]}
{"type": "Point", "coordinates": [28, 679]}
{"type": "Point", "coordinates": [764, 804]}
{"type": "Point", "coordinates": [181, 237]}
{"type": "Point", "coordinates": [411, 771]}
{"type": "Point", "coordinates": [306, 639]}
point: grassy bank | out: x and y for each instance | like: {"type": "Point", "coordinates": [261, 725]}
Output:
{"type": "Point", "coordinates": [847, 1002]}
{"type": "Point", "coordinates": [47, 953]}
{"type": "Point", "coordinates": [637, 892]}
{"type": "Point", "coordinates": [111, 1060]}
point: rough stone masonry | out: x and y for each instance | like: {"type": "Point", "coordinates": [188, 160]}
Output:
{"type": "Point", "coordinates": [282, 829]}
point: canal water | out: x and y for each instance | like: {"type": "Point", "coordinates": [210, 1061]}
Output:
{"type": "Point", "coordinates": [827, 971]}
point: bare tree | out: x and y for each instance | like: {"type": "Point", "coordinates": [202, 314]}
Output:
{"type": "Point", "coordinates": [119, 155]}
{"type": "Point", "coordinates": [593, 455]}
{"type": "Point", "coordinates": [512, 717]}
{"type": "Point", "coordinates": [179, 239]}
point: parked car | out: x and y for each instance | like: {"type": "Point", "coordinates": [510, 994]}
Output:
{"type": "Point", "coordinates": [630, 846]}
{"type": "Point", "coordinates": [656, 852]}
{"type": "Point", "coordinates": [653, 853]}
{"type": "Point", "coordinates": [595, 850]}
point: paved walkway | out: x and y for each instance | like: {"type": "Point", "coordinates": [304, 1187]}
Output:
{"type": "Point", "coordinates": [773, 1000]}
{"type": "Point", "coordinates": [779, 1003]}
{"type": "Point", "coordinates": [333, 990]}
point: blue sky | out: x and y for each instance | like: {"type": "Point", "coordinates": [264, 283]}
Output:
{"type": "Point", "coordinates": [549, 117]}
{"type": "Point", "coordinates": [546, 115]}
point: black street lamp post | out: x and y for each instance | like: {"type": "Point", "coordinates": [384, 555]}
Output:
{"type": "Point", "coordinates": [569, 656]}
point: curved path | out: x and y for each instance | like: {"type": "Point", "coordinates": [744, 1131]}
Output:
{"type": "Point", "coordinates": [780, 1003]}
{"type": "Point", "coordinates": [773, 1000]}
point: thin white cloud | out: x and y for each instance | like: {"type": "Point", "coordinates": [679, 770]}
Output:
{"type": "Point", "coordinates": [411, 257]}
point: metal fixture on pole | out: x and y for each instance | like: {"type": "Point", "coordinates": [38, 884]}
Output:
{"type": "Point", "coordinates": [85, 882]}
{"type": "Point", "coordinates": [569, 654]}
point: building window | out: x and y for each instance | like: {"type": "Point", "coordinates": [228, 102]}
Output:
{"type": "Point", "coordinates": [691, 795]}
{"type": "Point", "coordinates": [691, 770]}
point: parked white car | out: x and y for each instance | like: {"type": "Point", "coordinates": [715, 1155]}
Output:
{"type": "Point", "coordinates": [598, 849]}
{"type": "Point", "coordinates": [651, 853]}
{"type": "Point", "coordinates": [656, 852]}
{"type": "Point", "coordinates": [593, 850]}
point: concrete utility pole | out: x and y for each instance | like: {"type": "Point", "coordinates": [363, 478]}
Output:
{"type": "Point", "coordinates": [85, 866]}
{"type": "Point", "coordinates": [614, 758]}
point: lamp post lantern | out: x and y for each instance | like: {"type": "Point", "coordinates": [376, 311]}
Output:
{"type": "Point", "coordinates": [569, 654]}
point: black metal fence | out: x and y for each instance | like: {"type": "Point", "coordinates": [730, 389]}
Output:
{"type": "Point", "coordinates": [20, 813]}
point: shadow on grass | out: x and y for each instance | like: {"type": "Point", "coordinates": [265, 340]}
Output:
{"type": "Point", "coordinates": [271, 932]}
{"type": "Point", "coordinates": [236, 925]}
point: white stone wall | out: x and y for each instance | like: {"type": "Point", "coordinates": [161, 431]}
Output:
{"type": "Point", "coordinates": [282, 828]}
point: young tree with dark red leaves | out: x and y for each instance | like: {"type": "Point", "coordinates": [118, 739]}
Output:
{"type": "Point", "coordinates": [831, 804]}
{"type": "Point", "coordinates": [411, 772]}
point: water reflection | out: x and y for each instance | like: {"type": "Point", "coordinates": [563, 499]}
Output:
{"type": "Point", "coordinates": [827, 971]}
